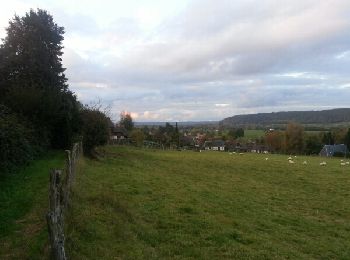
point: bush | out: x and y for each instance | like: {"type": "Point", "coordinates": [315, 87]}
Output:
{"type": "Point", "coordinates": [18, 143]}
{"type": "Point", "coordinates": [95, 129]}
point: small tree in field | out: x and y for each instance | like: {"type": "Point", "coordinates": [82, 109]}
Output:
{"type": "Point", "coordinates": [95, 129]}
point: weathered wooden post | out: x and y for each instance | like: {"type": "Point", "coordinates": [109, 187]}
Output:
{"type": "Point", "coordinates": [55, 216]}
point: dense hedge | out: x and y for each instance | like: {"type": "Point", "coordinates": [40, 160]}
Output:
{"type": "Point", "coordinates": [18, 141]}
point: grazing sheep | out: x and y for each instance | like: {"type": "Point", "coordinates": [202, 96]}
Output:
{"type": "Point", "coordinates": [240, 153]}
{"type": "Point", "coordinates": [290, 158]}
{"type": "Point", "coordinates": [342, 163]}
{"type": "Point", "coordinates": [266, 159]}
{"type": "Point", "coordinates": [304, 162]}
{"type": "Point", "coordinates": [323, 163]}
{"type": "Point", "coordinates": [342, 160]}
{"type": "Point", "coordinates": [291, 161]}
{"type": "Point", "coordinates": [347, 162]}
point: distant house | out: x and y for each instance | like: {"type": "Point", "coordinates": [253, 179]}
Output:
{"type": "Point", "coordinates": [218, 145]}
{"type": "Point", "coordinates": [260, 149]}
{"type": "Point", "coordinates": [215, 145]}
{"type": "Point", "coordinates": [207, 145]}
{"type": "Point", "coordinates": [118, 133]}
{"type": "Point", "coordinates": [332, 150]}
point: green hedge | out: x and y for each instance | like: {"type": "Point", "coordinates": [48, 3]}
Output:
{"type": "Point", "coordinates": [18, 143]}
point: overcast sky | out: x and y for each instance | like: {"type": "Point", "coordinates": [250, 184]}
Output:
{"type": "Point", "coordinates": [203, 59]}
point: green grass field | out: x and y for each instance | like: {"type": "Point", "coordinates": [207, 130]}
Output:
{"type": "Point", "coordinates": [253, 134]}
{"type": "Point", "coordinates": [23, 206]}
{"type": "Point", "coordinates": [145, 204]}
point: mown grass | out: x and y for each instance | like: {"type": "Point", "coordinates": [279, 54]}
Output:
{"type": "Point", "coordinates": [144, 204]}
{"type": "Point", "coordinates": [23, 205]}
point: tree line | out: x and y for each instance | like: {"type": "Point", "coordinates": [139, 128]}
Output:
{"type": "Point", "coordinates": [37, 110]}
{"type": "Point", "coordinates": [338, 115]}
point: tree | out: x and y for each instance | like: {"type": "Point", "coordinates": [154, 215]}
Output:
{"type": "Point", "coordinates": [95, 129]}
{"type": "Point", "coordinates": [32, 79]}
{"type": "Point", "coordinates": [313, 144]}
{"type": "Point", "coordinates": [328, 138]}
{"type": "Point", "coordinates": [347, 139]}
{"type": "Point", "coordinates": [235, 133]}
{"type": "Point", "coordinates": [31, 52]}
{"type": "Point", "coordinates": [137, 136]}
{"type": "Point", "coordinates": [126, 121]}
{"type": "Point", "coordinates": [294, 138]}
{"type": "Point", "coordinates": [275, 140]}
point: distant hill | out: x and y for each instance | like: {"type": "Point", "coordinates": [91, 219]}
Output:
{"type": "Point", "coordinates": [332, 116]}
{"type": "Point", "coordinates": [185, 123]}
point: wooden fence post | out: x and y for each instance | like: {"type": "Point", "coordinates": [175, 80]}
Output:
{"type": "Point", "coordinates": [60, 188]}
{"type": "Point", "coordinates": [55, 216]}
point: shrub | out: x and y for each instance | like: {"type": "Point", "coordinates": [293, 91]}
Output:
{"type": "Point", "coordinates": [18, 144]}
{"type": "Point", "coordinates": [95, 129]}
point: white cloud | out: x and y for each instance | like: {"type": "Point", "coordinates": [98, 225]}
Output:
{"type": "Point", "coordinates": [200, 60]}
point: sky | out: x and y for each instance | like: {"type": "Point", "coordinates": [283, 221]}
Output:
{"type": "Point", "coordinates": [196, 60]}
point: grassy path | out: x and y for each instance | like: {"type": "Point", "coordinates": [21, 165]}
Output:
{"type": "Point", "coordinates": [23, 205]}
{"type": "Point", "coordinates": [139, 204]}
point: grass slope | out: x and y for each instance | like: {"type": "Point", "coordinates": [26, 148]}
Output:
{"type": "Point", "coordinates": [23, 205]}
{"type": "Point", "coordinates": [143, 204]}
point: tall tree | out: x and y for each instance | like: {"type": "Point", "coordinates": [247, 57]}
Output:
{"type": "Point", "coordinates": [32, 79]}
{"type": "Point", "coordinates": [31, 52]}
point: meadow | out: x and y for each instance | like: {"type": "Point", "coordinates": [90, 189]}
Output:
{"type": "Point", "coordinates": [23, 206]}
{"type": "Point", "coordinates": [149, 204]}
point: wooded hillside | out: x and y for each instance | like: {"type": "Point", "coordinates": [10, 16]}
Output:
{"type": "Point", "coordinates": [338, 115]}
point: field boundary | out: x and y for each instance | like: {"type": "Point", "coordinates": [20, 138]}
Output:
{"type": "Point", "coordinates": [59, 196]}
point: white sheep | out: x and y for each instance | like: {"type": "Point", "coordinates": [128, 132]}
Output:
{"type": "Point", "coordinates": [240, 153]}
{"type": "Point", "coordinates": [290, 158]}
{"type": "Point", "coordinates": [291, 161]}
{"type": "Point", "coordinates": [266, 159]}
{"type": "Point", "coordinates": [342, 163]}
{"type": "Point", "coordinates": [304, 162]}
{"type": "Point", "coordinates": [323, 163]}
{"type": "Point", "coordinates": [347, 163]}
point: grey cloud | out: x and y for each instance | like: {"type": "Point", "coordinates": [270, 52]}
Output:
{"type": "Point", "coordinates": [233, 52]}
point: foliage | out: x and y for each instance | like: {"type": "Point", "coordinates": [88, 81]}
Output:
{"type": "Point", "coordinates": [126, 121]}
{"type": "Point", "coordinates": [235, 133]}
{"type": "Point", "coordinates": [95, 128]}
{"type": "Point", "coordinates": [347, 139]}
{"type": "Point", "coordinates": [275, 141]}
{"type": "Point", "coordinates": [18, 143]}
{"type": "Point", "coordinates": [294, 138]}
{"type": "Point", "coordinates": [304, 117]}
{"type": "Point", "coordinates": [328, 138]}
{"type": "Point", "coordinates": [168, 135]}
{"type": "Point", "coordinates": [32, 79]}
{"type": "Point", "coordinates": [313, 144]}
{"type": "Point", "coordinates": [137, 136]}
{"type": "Point", "coordinates": [146, 204]}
